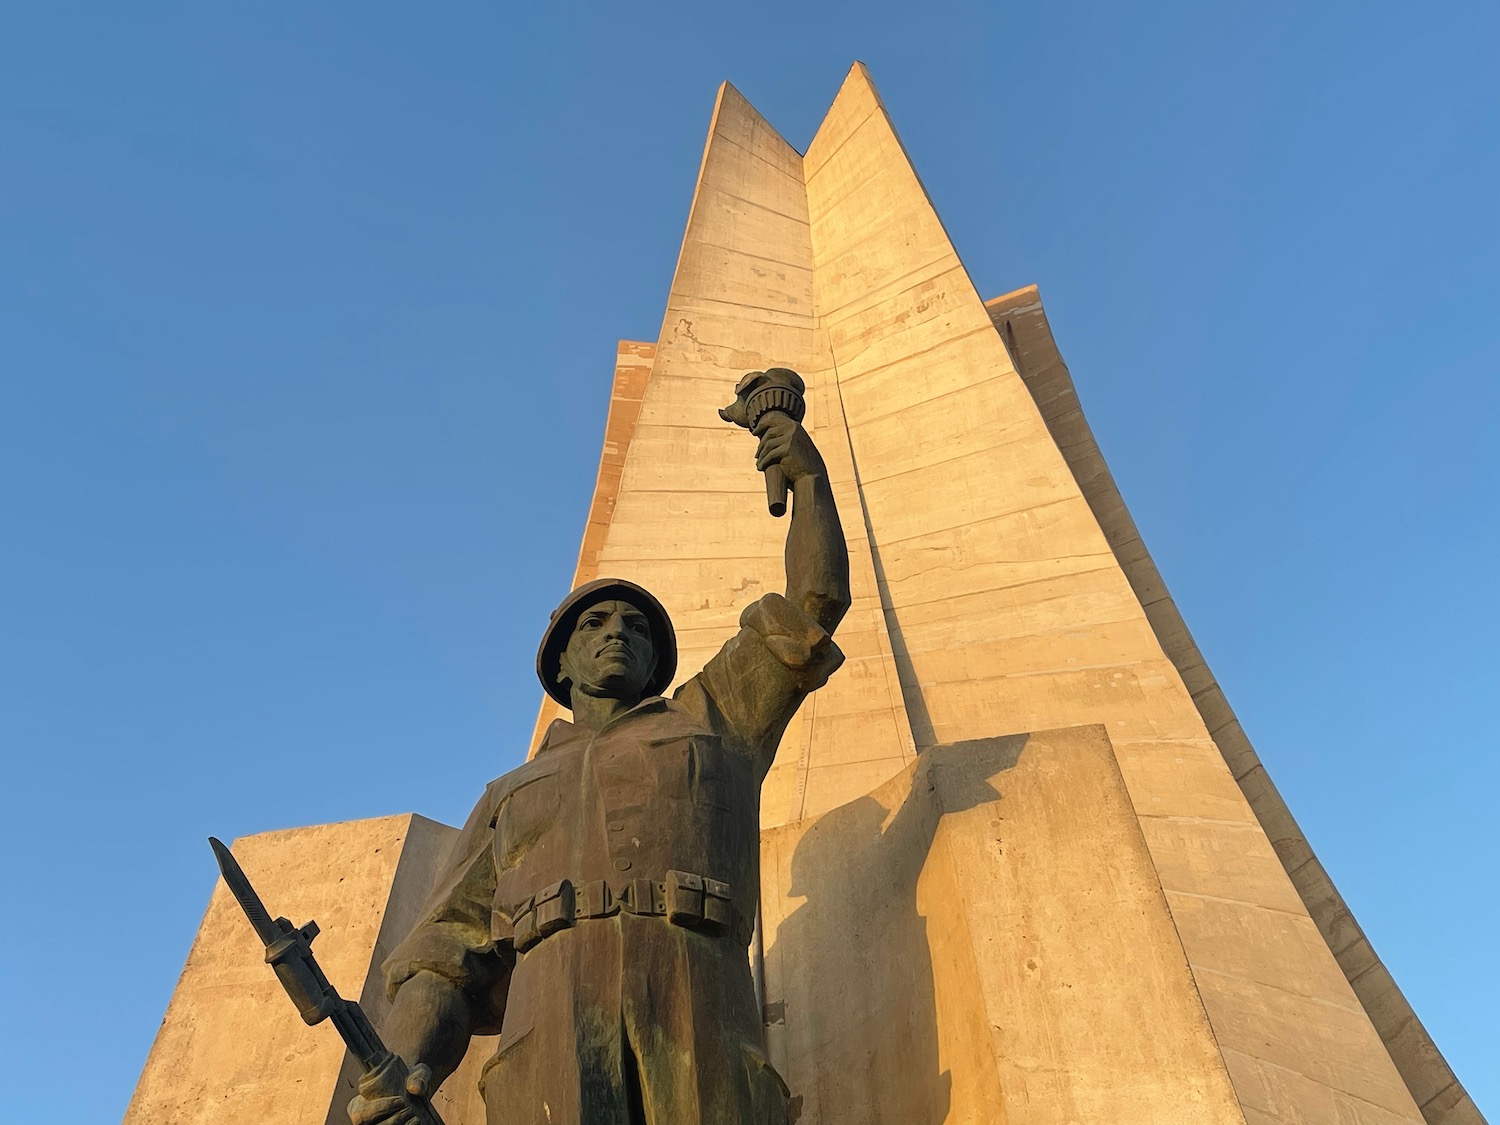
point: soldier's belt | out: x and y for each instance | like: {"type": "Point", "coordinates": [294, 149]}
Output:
{"type": "Point", "coordinates": [685, 899]}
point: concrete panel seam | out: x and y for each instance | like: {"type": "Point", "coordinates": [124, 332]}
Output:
{"type": "Point", "coordinates": [1439, 1094]}
{"type": "Point", "coordinates": [737, 252]}
{"type": "Point", "coordinates": [758, 206]}
{"type": "Point", "coordinates": [1269, 1065]}
{"type": "Point", "coordinates": [824, 158]}
{"type": "Point", "coordinates": [912, 603]}
{"type": "Point", "coordinates": [977, 451]}
{"type": "Point", "coordinates": [1179, 819]}
{"type": "Point", "coordinates": [714, 303]}
{"type": "Point", "coordinates": [725, 138]}
{"type": "Point", "coordinates": [1356, 1008]}
{"type": "Point", "coordinates": [907, 357]}
{"type": "Point", "coordinates": [888, 290]}
{"type": "Point", "coordinates": [1172, 891]}
{"type": "Point", "coordinates": [1009, 513]}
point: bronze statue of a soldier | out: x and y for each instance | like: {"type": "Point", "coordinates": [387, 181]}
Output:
{"type": "Point", "coordinates": [598, 905]}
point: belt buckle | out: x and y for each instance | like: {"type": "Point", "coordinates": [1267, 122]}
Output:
{"type": "Point", "coordinates": [644, 898]}
{"type": "Point", "coordinates": [596, 900]}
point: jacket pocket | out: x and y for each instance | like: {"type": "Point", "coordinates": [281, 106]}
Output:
{"type": "Point", "coordinates": [528, 810]}
{"type": "Point", "coordinates": [695, 768]}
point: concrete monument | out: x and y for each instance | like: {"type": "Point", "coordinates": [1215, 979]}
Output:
{"type": "Point", "coordinates": [1017, 860]}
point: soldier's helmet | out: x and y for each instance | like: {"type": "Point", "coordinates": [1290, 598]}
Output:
{"type": "Point", "coordinates": [565, 619]}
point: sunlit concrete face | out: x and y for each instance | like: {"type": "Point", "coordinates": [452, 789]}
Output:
{"type": "Point", "coordinates": [1000, 587]}
{"type": "Point", "coordinates": [983, 939]}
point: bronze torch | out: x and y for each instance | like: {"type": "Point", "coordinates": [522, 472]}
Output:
{"type": "Point", "coordinates": [755, 396]}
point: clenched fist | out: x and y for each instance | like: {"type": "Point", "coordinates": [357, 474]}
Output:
{"type": "Point", "coordinates": [784, 442]}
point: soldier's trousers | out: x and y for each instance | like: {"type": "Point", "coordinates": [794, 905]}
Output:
{"type": "Point", "coordinates": [632, 1021]}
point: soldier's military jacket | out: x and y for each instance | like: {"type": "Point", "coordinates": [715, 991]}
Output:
{"type": "Point", "coordinates": [672, 785]}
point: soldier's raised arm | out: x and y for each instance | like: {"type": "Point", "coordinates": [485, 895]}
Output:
{"type": "Point", "coordinates": [784, 649]}
{"type": "Point", "coordinates": [770, 405]}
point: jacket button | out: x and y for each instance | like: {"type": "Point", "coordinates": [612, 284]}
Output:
{"type": "Point", "coordinates": [622, 865]}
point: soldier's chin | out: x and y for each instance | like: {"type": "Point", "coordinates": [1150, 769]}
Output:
{"type": "Point", "coordinates": [617, 679]}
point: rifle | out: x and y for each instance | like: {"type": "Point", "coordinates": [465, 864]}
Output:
{"type": "Point", "coordinates": [289, 952]}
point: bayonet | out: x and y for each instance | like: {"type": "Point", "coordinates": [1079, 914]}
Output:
{"type": "Point", "coordinates": [289, 952]}
{"type": "Point", "coordinates": [244, 894]}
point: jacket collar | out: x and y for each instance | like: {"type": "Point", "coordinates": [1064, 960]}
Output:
{"type": "Point", "coordinates": [562, 732]}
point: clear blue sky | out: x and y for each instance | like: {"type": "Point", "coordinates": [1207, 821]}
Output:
{"type": "Point", "coordinates": [307, 316]}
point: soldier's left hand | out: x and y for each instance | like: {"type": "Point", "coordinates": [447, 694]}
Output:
{"type": "Point", "coordinates": [784, 442]}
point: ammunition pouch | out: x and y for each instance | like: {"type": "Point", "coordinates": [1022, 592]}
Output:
{"type": "Point", "coordinates": [683, 898]}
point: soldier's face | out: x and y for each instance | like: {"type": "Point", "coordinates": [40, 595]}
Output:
{"type": "Point", "coordinates": [610, 653]}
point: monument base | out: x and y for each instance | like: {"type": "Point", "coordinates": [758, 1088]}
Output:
{"type": "Point", "coordinates": [981, 939]}
{"type": "Point", "coordinates": [984, 939]}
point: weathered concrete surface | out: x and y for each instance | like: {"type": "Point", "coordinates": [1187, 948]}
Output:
{"type": "Point", "coordinates": [1006, 602]}
{"type": "Point", "coordinates": [1009, 611]}
{"type": "Point", "coordinates": [983, 940]}
{"type": "Point", "coordinates": [679, 507]}
{"type": "Point", "coordinates": [232, 1047]}
{"type": "Point", "coordinates": [632, 369]}
{"type": "Point", "coordinates": [1022, 323]}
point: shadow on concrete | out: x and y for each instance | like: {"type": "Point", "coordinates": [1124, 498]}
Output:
{"type": "Point", "coordinates": [860, 997]}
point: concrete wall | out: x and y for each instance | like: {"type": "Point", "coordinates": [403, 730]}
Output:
{"type": "Point", "coordinates": [1009, 612]}
{"type": "Point", "coordinates": [992, 597]}
{"type": "Point", "coordinates": [231, 1047]}
{"type": "Point", "coordinates": [1022, 324]}
{"type": "Point", "coordinates": [679, 506]}
{"type": "Point", "coordinates": [983, 940]}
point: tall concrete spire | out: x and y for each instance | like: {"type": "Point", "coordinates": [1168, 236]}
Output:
{"type": "Point", "coordinates": [1001, 591]}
